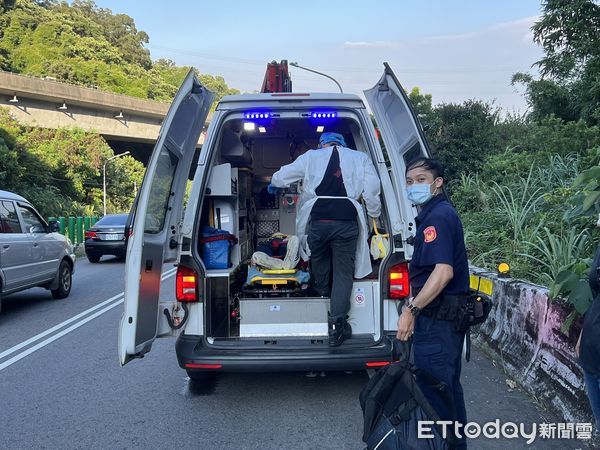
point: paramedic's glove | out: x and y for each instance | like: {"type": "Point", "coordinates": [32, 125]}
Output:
{"type": "Point", "coordinates": [273, 190]}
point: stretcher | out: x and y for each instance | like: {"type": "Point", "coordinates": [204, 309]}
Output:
{"type": "Point", "coordinates": [271, 281]}
{"type": "Point", "coordinates": [276, 277]}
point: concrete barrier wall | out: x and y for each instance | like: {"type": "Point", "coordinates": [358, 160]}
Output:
{"type": "Point", "coordinates": [523, 334]}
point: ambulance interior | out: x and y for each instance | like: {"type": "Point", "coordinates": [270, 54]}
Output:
{"type": "Point", "coordinates": [244, 300]}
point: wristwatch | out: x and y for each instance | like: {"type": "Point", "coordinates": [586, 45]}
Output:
{"type": "Point", "coordinates": [414, 310]}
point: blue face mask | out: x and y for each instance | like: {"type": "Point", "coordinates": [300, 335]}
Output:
{"type": "Point", "coordinates": [419, 193]}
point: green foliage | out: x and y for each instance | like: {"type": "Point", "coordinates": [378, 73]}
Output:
{"type": "Point", "coordinates": [573, 284]}
{"type": "Point", "coordinates": [512, 181]}
{"type": "Point", "coordinates": [123, 176]}
{"type": "Point", "coordinates": [60, 170]}
{"type": "Point", "coordinates": [556, 253]}
{"type": "Point", "coordinates": [422, 104]}
{"type": "Point", "coordinates": [546, 97]}
{"type": "Point", "coordinates": [90, 46]}
{"type": "Point", "coordinates": [10, 171]}
{"type": "Point", "coordinates": [589, 181]}
{"type": "Point", "coordinates": [521, 221]}
{"type": "Point", "coordinates": [569, 33]}
{"type": "Point", "coordinates": [462, 135]}
{"type": "Point", "coordinates": [516, 203]}
{"type": "Point", "coordinates": [528, 188]}
{"type": "Point", "coordinates": [535, 143]}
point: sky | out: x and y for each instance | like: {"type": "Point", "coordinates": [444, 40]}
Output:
{"type": "Point", "coordinates": [453, 50]}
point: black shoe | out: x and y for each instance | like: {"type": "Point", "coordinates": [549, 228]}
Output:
{"type": "Point", "coordinates": [339, 331]}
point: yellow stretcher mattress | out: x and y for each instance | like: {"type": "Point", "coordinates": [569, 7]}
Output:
{"type": "Point", "coordinates": [279, 271]}
{"type": "Point", "coordinates": [276, 277]}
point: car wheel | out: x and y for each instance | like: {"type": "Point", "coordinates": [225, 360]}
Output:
{"type": "Point", "coordinates": [93, 258]}
{"type": "Point", "coordinates": [65, 280]}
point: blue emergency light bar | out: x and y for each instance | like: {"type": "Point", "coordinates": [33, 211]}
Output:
{"type": "Point", "coordinates": [323, 115]}
{"type": "Point", "coordinates": [257, 115]}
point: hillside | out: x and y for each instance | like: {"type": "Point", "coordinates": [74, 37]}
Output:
{"type": "Point", "coordinates": [89, 46]}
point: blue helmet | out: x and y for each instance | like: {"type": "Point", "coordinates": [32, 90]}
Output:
{"type": "Point", "coordinates": [332, 137]}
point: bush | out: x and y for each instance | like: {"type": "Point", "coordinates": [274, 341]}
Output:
{"type": "Point", "coordinates": [60, 171]}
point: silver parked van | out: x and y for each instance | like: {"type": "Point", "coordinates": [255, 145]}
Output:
{"type": "Point", "coordinates": [32, 252]}
{"type": "Point", "coordinates": [229, 317]}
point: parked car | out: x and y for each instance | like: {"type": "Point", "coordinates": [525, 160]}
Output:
{"type": "Point", "coordinates": [106, 237]}
{"type": "Point", "coordinates": [224, 323]}
{"type": "Point", "coordinates": [32, 252]}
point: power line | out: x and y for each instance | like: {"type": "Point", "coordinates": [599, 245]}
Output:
{"type": "Point", "coordinates": [414, 70]}
{"type": "Point", "coordinates": [209, 56]}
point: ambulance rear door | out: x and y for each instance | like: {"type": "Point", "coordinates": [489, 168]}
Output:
{"type": "Point", "coordinates": [157, 217]}
{"type": "Point", "coordinates": [402, 135]}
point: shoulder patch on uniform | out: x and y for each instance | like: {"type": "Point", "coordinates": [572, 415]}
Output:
{"type": "Point", "coordinates": [430, 234]}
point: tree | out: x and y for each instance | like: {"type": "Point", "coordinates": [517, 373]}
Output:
{"type": "Point", "coordinates": [10, 171]}
{"type": "Point", "coordinates": [422, 104]}
{"type": "Point", "coordinates": [60, 170]}
{"type": "Point", "coordinates": [463, 135]}
{"type": "Point", "coordinates": [90, 46]}
{"type": "Point", "coordinates": [547, 97]}
{"type": "Point", "coordinates": [217, 85]}
{"type": "Point", "coordinates": [569, 33]}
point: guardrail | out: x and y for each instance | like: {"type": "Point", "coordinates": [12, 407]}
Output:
{"type": "Point", "coordinates": [75, 227]}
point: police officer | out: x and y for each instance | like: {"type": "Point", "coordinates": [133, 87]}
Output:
{"type": "Point", "coordinates": [439, 275]}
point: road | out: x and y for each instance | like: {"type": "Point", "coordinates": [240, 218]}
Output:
{"type": "Point", "coordinates": [61, 386]}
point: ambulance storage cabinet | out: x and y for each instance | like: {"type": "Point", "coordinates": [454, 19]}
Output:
{"type": "Point", "coordinates": [229, 201]}
{"type": "Point", "coordinates": [229, 196]}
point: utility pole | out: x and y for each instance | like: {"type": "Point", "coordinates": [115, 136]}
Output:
{"type": "Point", "coordinates": [104, 177]}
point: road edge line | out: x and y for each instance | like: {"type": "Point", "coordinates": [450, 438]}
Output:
{"type": "Point", "coordinates": [64, 323]}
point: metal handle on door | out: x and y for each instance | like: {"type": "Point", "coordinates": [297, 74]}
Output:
{"type": "Point", "coordinates": [5, 246]}
{"type": "Point", "coordinates": [35, 244]}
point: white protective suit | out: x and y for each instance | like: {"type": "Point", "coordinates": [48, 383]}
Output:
{"type": "Point", "coordinates": [360, 178]}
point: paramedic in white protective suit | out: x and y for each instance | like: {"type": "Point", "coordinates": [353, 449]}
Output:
{"type": "Point", "coordinates": [334, 177]}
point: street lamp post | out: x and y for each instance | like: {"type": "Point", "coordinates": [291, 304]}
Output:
{"type": "Point", "coordinates": [295, 64]}
{"type": "Point", "coordinates": [104, 177]}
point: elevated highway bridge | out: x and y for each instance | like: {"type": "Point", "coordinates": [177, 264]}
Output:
{"type": "Point", "coordinates": [127, 123]}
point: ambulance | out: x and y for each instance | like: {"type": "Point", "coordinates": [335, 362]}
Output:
{"type": "Point", "coordinates": [206, 210]}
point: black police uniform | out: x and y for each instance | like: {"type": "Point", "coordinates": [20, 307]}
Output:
{"type": "Point", "coordinates": [437, 345]}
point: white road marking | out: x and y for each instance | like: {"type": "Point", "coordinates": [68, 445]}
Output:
{"type": "Point", "coordinates": [45, 342]}
{"type": "Point", "coordinates": [117, 299]}
{"type": "Point", "coordinates": [57, 327]}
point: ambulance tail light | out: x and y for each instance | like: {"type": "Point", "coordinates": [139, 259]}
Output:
{"type": "Point", "coordinates": [372, 364]}
{"type": "Point", "coordinates": [202, 366]}
{"type": "Point", "coordinates": [186, 285]}
{"type": "Point", "coordinates": [399, 281]}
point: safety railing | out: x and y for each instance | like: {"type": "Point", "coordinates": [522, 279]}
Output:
{"type": "Point", "coordinates": [75, 227]}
